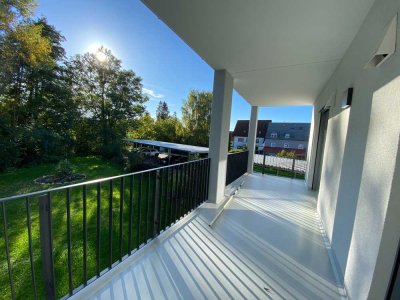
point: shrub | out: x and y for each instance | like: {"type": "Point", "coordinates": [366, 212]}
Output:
{"type": "Point", "coordinates": [133, 161]}
{"type": "Point", "coordinates": [286, 154]}
{"type": "Point", "coordinates": [64, 168]}
{"type": "Point", "coordinates": [113, 152]}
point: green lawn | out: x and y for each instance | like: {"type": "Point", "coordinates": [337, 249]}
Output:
{"type": "Point", "coordinates": [21, 181]}
{"type": "Point", "coordinates": [274, 171]}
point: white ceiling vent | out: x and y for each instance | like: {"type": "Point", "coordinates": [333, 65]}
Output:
{"type": "Point", "coordinates": [387, 47]}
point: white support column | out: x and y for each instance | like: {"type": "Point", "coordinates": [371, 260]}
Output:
{"type": "Point", "coordinates": [251, 141]}
{"type": "Point", "coordinates": [219, 135]}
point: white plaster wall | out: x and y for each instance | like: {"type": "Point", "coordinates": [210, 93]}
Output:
{"type": "Point", "coordinates": [375, 189]}
{"type": "Point", "coordinates": [362, 199]}
{"type": "Point", "coordinates": [335, 141]}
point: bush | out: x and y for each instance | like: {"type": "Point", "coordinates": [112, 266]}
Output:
{"type": "Point", "coordinates": [133, 161]}
{"type": "Point", "coordinates": [64, 168]}
{"type": "Point", "coordinates": [286, 154]}
{"type": "Point", "coordinates": [113, 152]}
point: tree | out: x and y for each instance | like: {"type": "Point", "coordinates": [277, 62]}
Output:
{"type": "Point", "coordinates": [12, 10]}
{"type": "Point", "coordinates": [110, 98]}
{"type": "Point", "coordinates": [144, 128]}
{"type": "Point", "coordinates": [196, 118]}
{"type": "Point", "coordinates": [162, 112]}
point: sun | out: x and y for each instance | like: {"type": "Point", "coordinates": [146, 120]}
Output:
{"type": "Point", "coordinates": [101, 57]}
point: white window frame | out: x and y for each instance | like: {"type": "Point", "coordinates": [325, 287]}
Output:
{"type": "Point", "coordinates": [273, 145]}
{"type": "Point", "coordinates": [287, 135]}
{"type": "Point", "coordinates": [240, 140]}
{"type": "Point", "coordinates": [300, 147]}
{"type": "Point", "coordinates": [274, 135]}
{"type": "Point", "coordinates": [286, 145]}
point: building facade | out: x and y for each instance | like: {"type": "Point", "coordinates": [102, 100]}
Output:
{"type": "Point", "coordinates": [240, 134]}
{"type": "Point", "coordinates": [291, 137]}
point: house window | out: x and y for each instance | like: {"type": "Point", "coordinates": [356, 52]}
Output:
{"type": "Point", "coordinates": [287, 135]}
{"type": "Point", "coordinates": [274, 135]}
{"type": "Point", "coordinates": [286, 145]}
{"type": "Point", "coordinates": [273, 145]}
{"type": "Point", "coordinates": [240, 140]}
{"type": "Point", "coordinates": [257, 141]}
{"type": "Point", "coordinates": [301, 146]}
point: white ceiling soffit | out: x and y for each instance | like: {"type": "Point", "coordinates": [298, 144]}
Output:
{"type": "Point", "coordinates": [280, 52]}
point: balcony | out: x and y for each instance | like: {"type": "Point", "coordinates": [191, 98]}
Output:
{"type": "Point", "coordinates": [267, 243]}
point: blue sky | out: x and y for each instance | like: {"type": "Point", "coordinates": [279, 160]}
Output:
{"type": "Point", "coordinates": [168, 67]}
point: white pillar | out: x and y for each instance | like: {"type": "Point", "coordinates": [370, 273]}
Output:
{"type": "Point", "coordinates": [251, 140]}
{"type": "Point", "coordinates": [219, 135]}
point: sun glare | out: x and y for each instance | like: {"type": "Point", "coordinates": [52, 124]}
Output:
{"type": "Point", "coordinates": [100, 56]}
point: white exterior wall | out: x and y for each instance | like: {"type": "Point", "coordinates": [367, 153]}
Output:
{"type": "Point", "coordinates": [335, 141]}
{"type": "Point", "coordinates": [358, 169]}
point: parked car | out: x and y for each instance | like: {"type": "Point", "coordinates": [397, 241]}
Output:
{"type": "Point", "coordinates": [150, 152]}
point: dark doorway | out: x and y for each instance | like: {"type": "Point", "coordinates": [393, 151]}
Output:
{"type": "Point", "coordinates": [323, 125]}
{"type": "Point", "coordinates": [393, 292]}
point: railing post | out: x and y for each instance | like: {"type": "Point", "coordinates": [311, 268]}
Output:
{"type": "Point", "coordinates": [157, 195]}
{"type": "Point", "coordinates": [46, 246]}
{"type": "Point", "coordinates": [263, 166]}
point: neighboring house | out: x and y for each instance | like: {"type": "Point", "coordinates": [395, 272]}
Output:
{"type": "Point", "coordinates": [287, 136]}
{"type": "Point", "coordinates": [241, 133]}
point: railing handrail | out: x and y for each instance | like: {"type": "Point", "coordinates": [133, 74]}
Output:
{"type": "Point", "coordinates": [92, 181]}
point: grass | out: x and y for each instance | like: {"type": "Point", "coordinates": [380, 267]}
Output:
{"type": "Point", "coordinates": [274, 171]}
{"type": "Point", "coordinates": [21, 181]}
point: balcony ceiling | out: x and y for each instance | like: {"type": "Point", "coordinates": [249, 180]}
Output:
{"type": "Point", "coordinates": [279, 52]}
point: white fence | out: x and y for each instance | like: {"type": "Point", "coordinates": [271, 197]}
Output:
{"type": "Point", "coordinates": [290, 164]}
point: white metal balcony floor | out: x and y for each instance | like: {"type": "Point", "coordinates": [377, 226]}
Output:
{"type": "Point", "coordinates": [266, 245]}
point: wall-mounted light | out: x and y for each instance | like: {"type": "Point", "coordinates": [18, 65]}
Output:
{"type": "Point", "coordinates": [347, 97]}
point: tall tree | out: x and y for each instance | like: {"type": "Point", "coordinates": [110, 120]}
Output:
{"type": "Point", "coordinates": [12, 10]}
{"type": "Point", "coordinates": [162, 112]}
{"type": "Point", "coordinates": [196, 118]}
{"type": "Point", "coordinates": [109, 96]}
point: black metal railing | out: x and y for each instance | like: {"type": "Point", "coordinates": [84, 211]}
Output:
{"type": "Point", "coordinates": [236, 166]}
{"type": "Point", "coordinates": [73, 234]}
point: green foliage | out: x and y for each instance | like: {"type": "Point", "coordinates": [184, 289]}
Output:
{"type": "Point", "coordinates": [111, 98]}
{"type": "Point", "coordinates": [236, 150]}
{"type": "Point", "coordinates": [162, 112]}
{"type": "Point", "coordinates": [286, 154]}
{"type": "Point", "coordinates": [196, 118]}
{"type": "Point", "coordinates": [134, 161]}
{"type": "Point", "coordinates": [12, 10]}
{"type": "Point", "coordinates": [64, 168]}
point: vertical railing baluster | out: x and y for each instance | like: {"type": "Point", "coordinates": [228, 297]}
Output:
{"type": "Point", "coordinates": [171, 196]}
{"type": "Point", "coordinates": [148, 194]}
{"type": "Point", "coordinates": [156, 195]}
{"type": "Point", "coordinates": [176, 194]}
{"type": "Point", "coordinates": [29, 225]}
{"type": "Point", "coordinates": [208, 176]}
{"type": "Point", "coordinates": [131, 191]}
{"type": "Point", "coordinates": [98, 229]}
{"type": "Point", "coordinates": [189, 201]}
{"type": "Point", "coordinates": [166, 197]}
{"type": "Point", "coordinates": [193, 183]}
{"type": "Point", "coordinates": [110, 226]}
{"type": "Point", "coordinates": [10, 273]}
{"type": "Point", "coordinates": [139, 200]}
{"type": "Point", "coordinates": [160, 201]}
{"type": "Point", "coordinates": [46, 246]}
{"type": "Point", "coordinates": [121, 210]}
{"type": "Point", "coordinates": [182, 191]}
{"type": "Point", "coordinates": [197, 183]}
{"type": "Point", "coordinates": [84, 237]}
{"type": "Point", "coordinates": [69, 242]}
{"type": "Point", "coordinates": [204, 195]}
{"type": "Point", "coordinates": [201, 179]}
